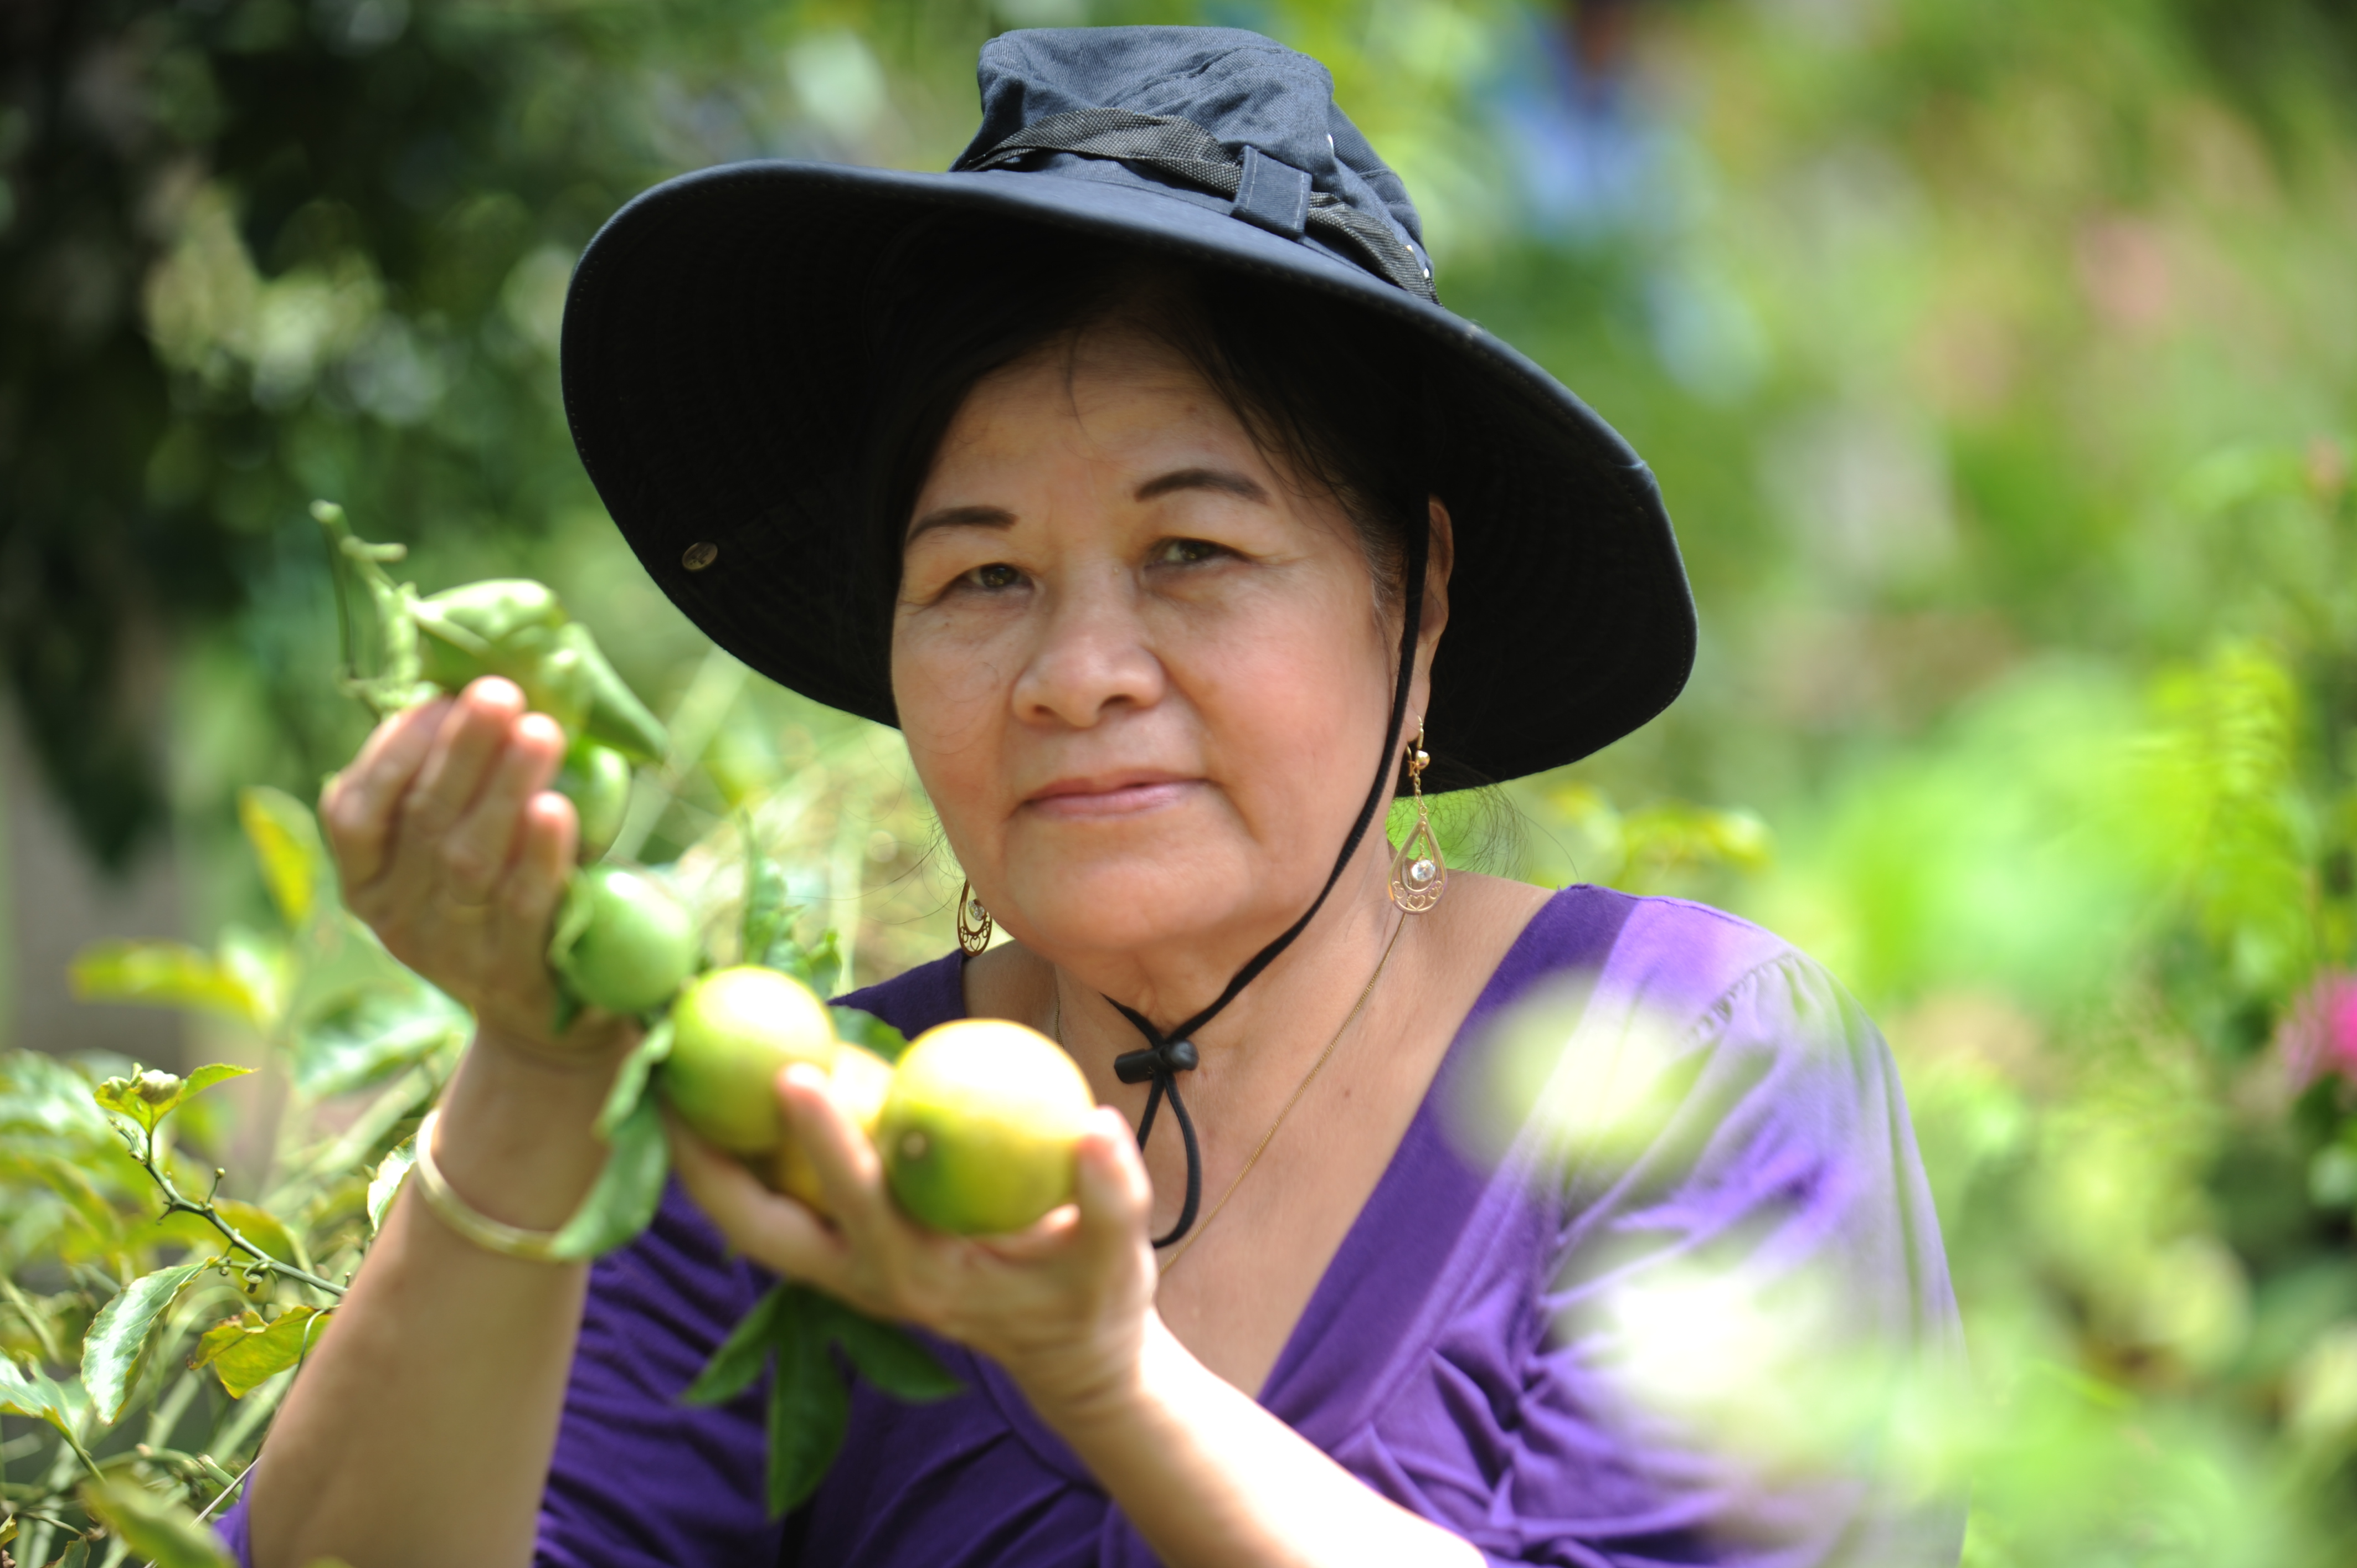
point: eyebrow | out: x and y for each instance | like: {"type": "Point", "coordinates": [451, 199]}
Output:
{"type": "Point", "coordinates": [1226, 481]}
{"type": "Point", "coordinates": [960, 517]}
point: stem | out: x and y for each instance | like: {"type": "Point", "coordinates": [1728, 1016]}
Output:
{"type": "Point", "coordinates": [220, 1497]}
{"type": "Point", "coordinates": [176, 1203]}
{"type": "Point", "coordinates": [34, 1321]}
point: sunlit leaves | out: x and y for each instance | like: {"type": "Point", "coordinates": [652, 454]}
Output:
{"type": "Point", "coordinates": [170, 975]}
{"type": "Point", "coordinates": [147, 1096]}
{"type": "Point", "coordinates": [286, 846]}
{"type": "Point", "coordinates": [246, 1351]}
{"type": "Point", "coordinates": [116, 1346]}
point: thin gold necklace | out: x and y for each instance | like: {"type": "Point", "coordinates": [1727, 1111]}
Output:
{"type": "Point", "coordinates": [1165, 1266]}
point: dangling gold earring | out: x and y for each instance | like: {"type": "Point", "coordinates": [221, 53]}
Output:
{"type": "Point", "coordinates": [974, 922]}
{"type": "Point", "coordinates": [1420, 875]}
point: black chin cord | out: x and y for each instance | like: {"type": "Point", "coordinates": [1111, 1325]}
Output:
{"type": "Point", "coordinates": [1166, 1055]}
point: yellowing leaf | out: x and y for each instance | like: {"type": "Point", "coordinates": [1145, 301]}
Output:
{"type": "Point", "coordinates": [245, 1352]}
{"type": "Point", "coordinates": [163, 974]}
{"type": "Point", "coordinates": [286, 840]}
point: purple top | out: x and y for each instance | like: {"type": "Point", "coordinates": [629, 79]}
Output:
{"type": "Point", "coordinates": [1487, 1347]}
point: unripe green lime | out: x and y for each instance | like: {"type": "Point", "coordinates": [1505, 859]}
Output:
{"type": "Point", "coordinates": [978, 1132]}
{"type": "Point", "coordinates": [631, 943]}
{"type": "Point", "coordinates": [597, 780]}
{"type": "Point", "coordinates": [732, 1033]}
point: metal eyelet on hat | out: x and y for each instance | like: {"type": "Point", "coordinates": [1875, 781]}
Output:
{"type": "Point", "coordinates": [699, 555]}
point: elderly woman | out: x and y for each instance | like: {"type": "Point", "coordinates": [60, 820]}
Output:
{"type": "Point", "coordinates": [1133, 471]}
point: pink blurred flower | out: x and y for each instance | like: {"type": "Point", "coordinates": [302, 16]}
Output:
{"type": "Point", "coordinates": [2319, 1036]}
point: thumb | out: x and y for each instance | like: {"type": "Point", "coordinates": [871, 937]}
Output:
{"type": "Point", "coordinates": [1110, 1184]}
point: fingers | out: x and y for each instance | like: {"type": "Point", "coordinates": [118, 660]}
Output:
{"type": "Point", "coordinates": [357, 806]}
{"type": "Point", "coordinates": [477, 849]}
{"type": "Point", "coordinates": [469, 744]}
{"type": "Point", "coordinates": [774, 1231]}
{"type": "Point", "coordinates": [850, 1174]}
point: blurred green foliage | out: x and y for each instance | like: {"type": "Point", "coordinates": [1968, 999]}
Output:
{"type": "Point", "coordinates": [1998, 361]}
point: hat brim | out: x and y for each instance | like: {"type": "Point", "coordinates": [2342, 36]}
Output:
{"type": "Point", "coordinates": [703, 319]}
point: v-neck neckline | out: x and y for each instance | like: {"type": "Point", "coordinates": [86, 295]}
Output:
{"type": "Point", "coordinates": [1423, 1145]}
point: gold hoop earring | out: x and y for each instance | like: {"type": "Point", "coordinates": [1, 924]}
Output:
{"type": "Point", "coordinates": [974, 921]}
{"type": "Point", "coordinates": [1419, 874]}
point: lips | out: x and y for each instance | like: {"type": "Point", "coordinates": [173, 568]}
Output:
{"type": "Point", "coordinates": [1110, 794]}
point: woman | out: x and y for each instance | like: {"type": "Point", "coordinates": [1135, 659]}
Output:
{"type": "Point", "coordinates": [1134, 472]}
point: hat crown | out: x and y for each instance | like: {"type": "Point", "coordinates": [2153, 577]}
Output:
{"type": "Point", "coordinates": [1246, 90]}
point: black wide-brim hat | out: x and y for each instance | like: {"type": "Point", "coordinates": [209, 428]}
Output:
{"type": "Point", "coordinates": [714, 327]}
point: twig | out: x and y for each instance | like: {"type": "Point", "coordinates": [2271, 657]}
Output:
{"type": "Point", "coordinates": [174, 1203]}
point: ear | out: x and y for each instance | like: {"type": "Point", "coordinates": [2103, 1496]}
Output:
{"type": "Point", "coordinates": [1440, 555]}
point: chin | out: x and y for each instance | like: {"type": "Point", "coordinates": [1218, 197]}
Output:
{"type": "Point", "coordinates": [1126, 903]}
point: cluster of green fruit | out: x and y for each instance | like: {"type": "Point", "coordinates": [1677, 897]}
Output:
{"type": "Point", "coordinates": [976, 1123]}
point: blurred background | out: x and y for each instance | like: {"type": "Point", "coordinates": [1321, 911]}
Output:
{"type": "Point", "coordinates": [1996, 359]}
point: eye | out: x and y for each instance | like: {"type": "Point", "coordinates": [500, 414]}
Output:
{"type": "Point", "coordinates": [1186, 552]}
{"type": "Point", "coordinates": [996, 576]}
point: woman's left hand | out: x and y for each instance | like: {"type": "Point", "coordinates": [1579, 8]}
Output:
{"type": "Point", "coordinates": [1062, 1307]}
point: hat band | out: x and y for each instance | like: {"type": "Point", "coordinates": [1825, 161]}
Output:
{"type": "Point", "coordinates": [1173, 145]}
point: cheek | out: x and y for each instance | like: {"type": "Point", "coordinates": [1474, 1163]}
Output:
{"type": "Point", "coordinates": [950, 688]}
{"type": "Point", "coordinates": [1295, 705]}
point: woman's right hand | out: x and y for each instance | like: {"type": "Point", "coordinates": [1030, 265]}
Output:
{"type": "Point", "coordinates": [454, 850]}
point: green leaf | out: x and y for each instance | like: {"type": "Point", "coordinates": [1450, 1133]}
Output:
{"type": "Point", "coordinates": [165, 975]}
{"type": "Point", "coordinates": [628, 1189]}
{"type": "Point", "coordinates": [630, 1077]}
{"type": "Point", "coordinates": [740, 1357]}
{"type": "Point", "coordinates": [386, 1182]}
{"type": "Point", "coordinates": [373, 1036]}
{"type": "Point", "coordinates": [809, 1406]}
{"type": "Point", "coordinates": [286, 846]}
{"type": "Point", "coordinates": [245, 1352]}
{"type": "Point", "coordinates": [818, 968]}
{"type": "Point", "coordinates": [868, 1031]}
{"type": "Point", "coordinates": [888, 1357]}
{"type": "Point", "coordinates": [767, 913]}
{"type": "Point", "coordinates": [158, 1530]}
{"type": "Point", "coordinates": [117, 1341]}
{"type": "Point", "coordinates": [41, 1397]}
{"type": "Point", "coordinates": [205, 1076]}
{"type": "Point", "coordinates": [38, 1094]}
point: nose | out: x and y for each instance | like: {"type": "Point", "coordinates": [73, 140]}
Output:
{"type": "Point", "coordinates": [1092, 657]}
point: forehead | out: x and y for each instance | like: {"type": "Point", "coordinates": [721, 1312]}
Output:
{"type": "Point", "coordinates": [1113, 393]}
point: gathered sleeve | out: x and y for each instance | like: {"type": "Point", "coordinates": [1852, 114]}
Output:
{"type": "Point", "coordinates": [1703, 1315]}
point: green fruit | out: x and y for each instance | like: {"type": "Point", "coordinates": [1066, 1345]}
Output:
{"type": "Point", "coordinates": [597, 780]}
{"type": "Point", "coordinates": [978, 1132]}
{"type": "Point", "coordinates": [491, 611]}
{"type": "Point", "coordinates": [732, 1033]}
{"type": "Point", "coordinates": [622, 943]}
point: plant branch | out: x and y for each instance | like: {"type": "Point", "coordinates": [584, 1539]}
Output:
{"type": "Point", "coordinates": [175, 1202]}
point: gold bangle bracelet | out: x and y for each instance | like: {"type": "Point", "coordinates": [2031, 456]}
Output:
{"type": "Point", "coordinates": [489, 1234]}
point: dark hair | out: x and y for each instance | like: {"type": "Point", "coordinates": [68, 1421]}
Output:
{"type": "Point", "coordinates": [1327, 386]}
